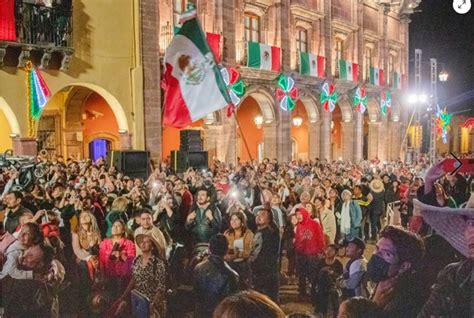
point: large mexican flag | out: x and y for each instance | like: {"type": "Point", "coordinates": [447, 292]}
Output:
{"type": "Point", "coordinates": [263, 56]}
{"type": "Point", "coordinates": [311, 64]}
{"type": "Point", "coordinates": [396, 80]}
{"type": "Point", "coordinates": [348, 71]}
{"type": "Point", "coordinates": [192, 82]}
{"type": "Point", "coordinates": [376, 76]}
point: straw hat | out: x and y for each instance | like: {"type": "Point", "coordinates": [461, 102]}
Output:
{"type": "Point", "coordinates": [450, 223]}
{"type": "Point", "coordinates": [376, 185]}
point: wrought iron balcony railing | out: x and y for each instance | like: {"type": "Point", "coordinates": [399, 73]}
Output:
{"type": "Point", "coordinates": [43, 26]}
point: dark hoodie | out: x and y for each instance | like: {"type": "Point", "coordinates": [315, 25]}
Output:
{"type": "Point", "coordinates": [309, 236]}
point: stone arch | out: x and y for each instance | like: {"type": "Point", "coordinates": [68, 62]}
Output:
{"type": "Point", "coordinates": [310, 105]}
{"type": "Point", "coordinates": [78, 93]}
{"type": "Point", "coordinates": [264, 100]}
{"type": "Point", "coordinates": [346, 109]}
{"type": "Point", "coordinates": [373, 109]}
{"type": "Point", "coordinates": [11, 117]}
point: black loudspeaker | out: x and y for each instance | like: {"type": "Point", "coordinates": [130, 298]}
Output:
{"type": "Point", "coordinates": [179, 161]}
{"type": "Point", "coordinates": [132, 163]}
{"type": "Point", "coordinates": [182, 160]}
{"type": "Point", "coordinates": [190, 140]}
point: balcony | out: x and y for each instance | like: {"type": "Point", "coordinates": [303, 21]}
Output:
{"type": "Point", "coordinates": [43, 35]}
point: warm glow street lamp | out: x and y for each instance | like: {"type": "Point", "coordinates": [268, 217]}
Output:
{"type": "Point", "coordinates": [297, 121]}
{"type": "Point", "coordinates": [258, 120]}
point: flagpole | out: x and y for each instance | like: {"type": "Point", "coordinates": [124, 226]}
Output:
{"type": "Point", "coordinates": [248, 151]}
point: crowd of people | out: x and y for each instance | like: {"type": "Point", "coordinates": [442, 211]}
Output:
{"type": "Point", "coordinates": [221, 241]}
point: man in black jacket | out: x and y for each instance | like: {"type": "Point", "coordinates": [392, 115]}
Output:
{"type": "Point", "coordinates": [214, 280]}
{"type": "Point", "coordinates": [264, 255]}
{"type": "Point", "coordinates": [13, 211]}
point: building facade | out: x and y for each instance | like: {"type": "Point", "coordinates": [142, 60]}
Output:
{"type": "Point", "coordinates": [371, 34]}
{"type": "Point", "coordinates": [103, 59]}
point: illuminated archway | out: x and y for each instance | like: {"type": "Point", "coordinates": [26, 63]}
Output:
{"type": "Point", "coordinates": [77, 113]}
{"type": "Point", "coordinates": [9, 125]}
{"type": "Point", "coordinates": [258, 101]}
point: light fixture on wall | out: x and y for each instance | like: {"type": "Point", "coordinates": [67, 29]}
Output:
{"type": "Point", "coordinates": [332, 124]}
{"type": "Point", "coordinates": [297, 120]}
{"type": "Point", "coordinates": [258, 120]}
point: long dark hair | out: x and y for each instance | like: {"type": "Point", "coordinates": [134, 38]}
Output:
{"type": "Point", "coordinates": [243, 220]}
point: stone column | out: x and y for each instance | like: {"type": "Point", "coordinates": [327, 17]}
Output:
{"type": "Point", "coordinates": [373, 140]}
{"type": "Point", "coordinates": [284, 136]}
{"type": "Point", "coordinates": [325, 148]}
{"type": "Point", "coordinates": [227, 142]}
{"type": "Point", "coordinates": [125, 139]}
{"type": "Point", "coordinates": [284, 33]}
{"type": "Point", "coordinates": [150, 26]}
{"type": "Point", "coordinates": [384, 47]}
{"type": "Point", "coordinates": [314, 140]}
{"type": "Point", "coordinates": [226, 24]}
{"type": "Point", "coordinates": [328, 39]}
{"type": "Point", "coordinates": [395, 139]}
{"type": "Point", "coordinates": [347, 129]}
{"type": "Point", "coordinates": [25, 146]}
{"type": "Point", "coordinates": [270, 141]}
{"type": "Point", "coordinates": [210, 136]}
{"type": "Point", "coordinates": [358, 136]}
{"type": "Point", "coordinates": [383, 131]}
{"type": "Point", "coordinates": [360, 43]}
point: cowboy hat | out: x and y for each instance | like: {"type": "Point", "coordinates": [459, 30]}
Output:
{"type": "Point", "coordinates": [450, 223]}
{"type": "Point", "coordinates": [376, 185]}
{"type": "Point", "coordinates": [140, 237]}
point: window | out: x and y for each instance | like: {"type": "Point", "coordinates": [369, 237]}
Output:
{"type": "Point", "coordinates": [367, 62]}
{"type": "Point", "coordinates": [302, 40]}
{"type": "Point", "coordinates": [252, 28]}
{"type": "Point", "coordinates": [179, 6]}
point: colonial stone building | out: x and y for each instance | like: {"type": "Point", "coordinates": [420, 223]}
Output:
{"type": "Point", "coordinates": [371, 34]}
{"type": "Point", "coordinates": [102, 63]}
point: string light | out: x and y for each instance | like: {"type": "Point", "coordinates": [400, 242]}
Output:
{"type": "Point", "coordinates": [360, 99]}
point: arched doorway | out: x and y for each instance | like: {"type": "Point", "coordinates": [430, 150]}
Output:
{"type": "Point", "coordinates": [256, 117]}
{"type": "Point", "coordinates": [248, 115]}
{"type": "Point", "coordinates": [78, 115]}
{"type": "Point", "coordinates": [336, 133]}
{"type": "Point", "coordinates": [9, 126]}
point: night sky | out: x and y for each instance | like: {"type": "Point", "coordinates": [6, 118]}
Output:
{"type": "Point", "coordinates": [449, 37]}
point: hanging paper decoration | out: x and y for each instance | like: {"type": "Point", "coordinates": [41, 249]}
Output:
{"type": "Point", "coordinates": [38, 95]}
{"type": "Point", "coordinates": [443, 119]}
{"type": "Point", "coordinates": [286, 93]}
{"type": "Point", "coordinates": [235, 86]}
{"type": "Point", "coordinates": [385, 102]}
{"type": "Point", "coordinates": [328, 97]}
{"type": "Point", "coordinates": [360, 99]}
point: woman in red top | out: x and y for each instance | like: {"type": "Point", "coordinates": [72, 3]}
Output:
{"type": "Point", "coordinates": [116, 255]}
{"type": "Point", "coordinates": [309, 245]}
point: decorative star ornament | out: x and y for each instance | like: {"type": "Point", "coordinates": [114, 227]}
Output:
{"type": "Point", "coordinates": [385, 102]}
{"type": "Point", "coordinates": [360, 99]}
{"type": "Point", "coordinates": [235, 86]}
{"type": "Point", "coordinates": [328, 97]}
{"type": "Point", "coordinates": [286, 92]}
